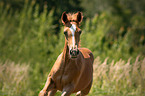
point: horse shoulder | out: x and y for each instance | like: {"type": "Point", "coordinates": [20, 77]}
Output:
{"type": "Point", "coordinates": [55, 71]}
{"type": "Point", "coordinates": [87, 53]}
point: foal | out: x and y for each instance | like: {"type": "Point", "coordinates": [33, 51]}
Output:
{"type": "Point", "coordinates": [73, 69]}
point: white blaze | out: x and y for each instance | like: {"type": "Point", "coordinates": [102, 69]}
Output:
{"type": "Point", "coordinates": [73, 29]}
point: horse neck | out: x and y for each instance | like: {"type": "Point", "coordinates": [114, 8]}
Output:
{"type": "Point", "coordinates": [65, 52]}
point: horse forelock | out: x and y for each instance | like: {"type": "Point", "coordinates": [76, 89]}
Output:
{"type": "Point", "coordinates": [72, 17]}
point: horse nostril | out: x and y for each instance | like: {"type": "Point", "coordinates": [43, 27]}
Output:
{"type": "Point", "coordinates": [71, 52]}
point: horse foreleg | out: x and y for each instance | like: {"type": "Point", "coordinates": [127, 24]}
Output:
{"type": "Point", "coordinates": [80, 94]}
{"type": "Point", "coordinates": [49, 85]}
{"type": "Point", "coordinates": [67, 90]}
{"type": "Point", "coordinates": [85, 91]}
{"type": "Point", "coordinates": [52, 93]}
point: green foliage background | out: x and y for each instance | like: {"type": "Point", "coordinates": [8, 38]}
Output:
{"type": "Point", "coordinates": [31, 32]}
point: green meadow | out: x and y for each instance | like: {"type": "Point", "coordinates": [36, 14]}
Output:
{"type": "Point", "coordinates": [31, 38]}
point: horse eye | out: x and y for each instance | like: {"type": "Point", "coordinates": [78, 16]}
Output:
{"type": "Point", "coordinates": [80, 31]}
{"type": "Point", "coordinates": [65, 32]}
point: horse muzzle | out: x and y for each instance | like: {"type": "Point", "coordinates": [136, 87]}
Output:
{"type": "Point", "coordinates": [74, 53]}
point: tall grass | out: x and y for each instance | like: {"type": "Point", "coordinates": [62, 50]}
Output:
{"type": "Point", "coordinates": [119, 79]}
{"type": "Point", "coordinates": [28, 37]}
{"type": "Point", "coordinates": [14, 79]}
{"type": "Point", "coordinates": [27, 33]}
{"type": "Point", "coordinates": [105, 36]}
{"type": "Point", "coordinates": [111, 79]}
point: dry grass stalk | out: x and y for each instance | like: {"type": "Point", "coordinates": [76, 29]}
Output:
{"type": "Point", "coordinates": [13, 78]}
{"type": "Point", "coordinates": [121, 77]}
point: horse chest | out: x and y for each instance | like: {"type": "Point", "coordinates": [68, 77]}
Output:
{"type": "Point", "coordinates": [70, 73]}
{"type": "Point", "coordinates": [65, 73]}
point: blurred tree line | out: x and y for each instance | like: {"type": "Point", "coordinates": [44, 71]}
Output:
{"type": "Point", "coordinates": [126, 9]}
{"type": "Point", "coordinates": [120, 18]}
{"type": "Point", "coordinates": [59, 6]}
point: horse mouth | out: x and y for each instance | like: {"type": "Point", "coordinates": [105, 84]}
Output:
{"type": "Point", "coordinates": [74, 56]}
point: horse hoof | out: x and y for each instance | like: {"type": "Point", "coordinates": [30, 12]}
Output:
{"type": "Point", "coordinates": [78, 93]}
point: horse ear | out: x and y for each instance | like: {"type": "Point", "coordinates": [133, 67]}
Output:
{"type": "Point", "coordinates": [64, 18]}
{"type": "Point", "coordinates": [79, 17]}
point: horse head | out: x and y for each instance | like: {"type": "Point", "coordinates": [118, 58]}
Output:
{"type": "Point", "coordinates": [72, 31]}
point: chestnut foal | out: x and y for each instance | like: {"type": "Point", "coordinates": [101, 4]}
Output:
{"type": "Point", "coordinates": [73, 69]}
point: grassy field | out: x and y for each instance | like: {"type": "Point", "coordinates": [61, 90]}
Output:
{"type": "Point", "coordinates": [14, 79]}
{"type": "Point", "coordinates": [30, 42]}
{"type": "Point", "coordinates": [121, 78]}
